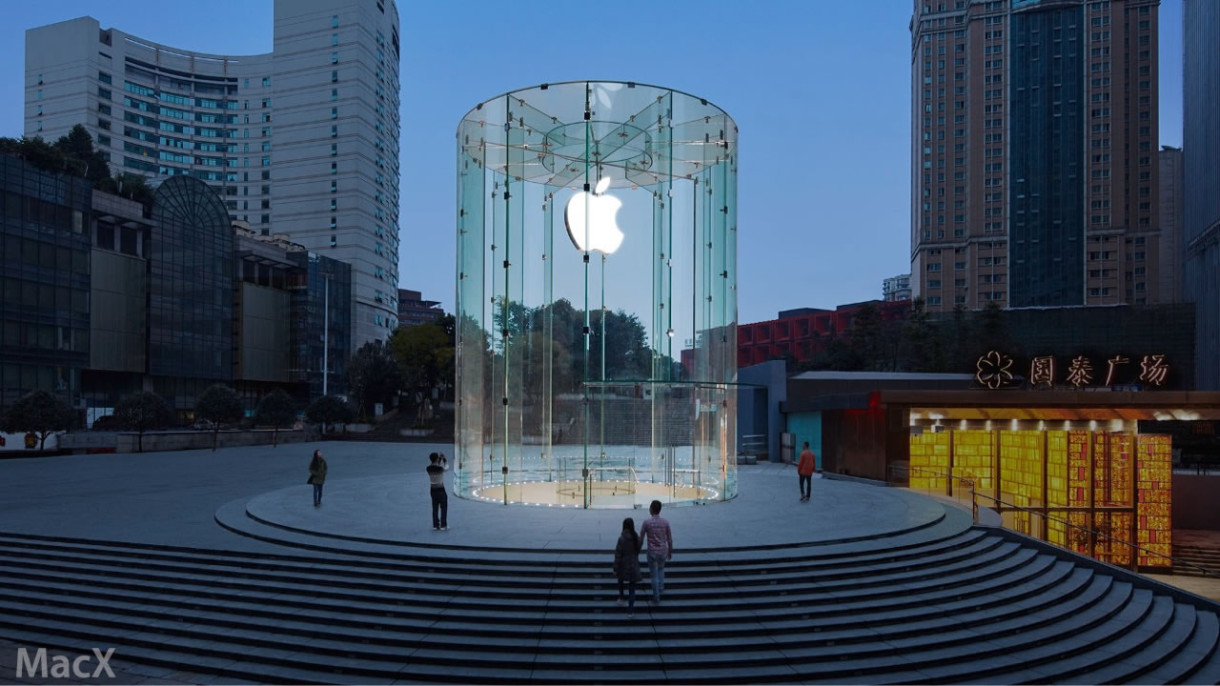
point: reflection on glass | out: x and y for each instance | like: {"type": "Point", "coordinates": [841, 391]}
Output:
{"type": "Point", "coordinates": [596, 297]}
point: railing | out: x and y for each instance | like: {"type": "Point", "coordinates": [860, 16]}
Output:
{"type": "Point", "coordinates": [1093, 533]}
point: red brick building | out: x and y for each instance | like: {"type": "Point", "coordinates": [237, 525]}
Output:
{"type": "Point", "coordinates": [805, 332]}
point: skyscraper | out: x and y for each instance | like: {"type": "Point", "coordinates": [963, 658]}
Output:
{"type": "Point", "coordinates": [1201, 181]}
{"type": "Point", "coordinates": [302, 141]}
{"type": "Point", "coordinates": [1034, 153]}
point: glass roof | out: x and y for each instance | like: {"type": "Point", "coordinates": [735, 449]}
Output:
{"type": "Point", "coordinates": [565, 133]}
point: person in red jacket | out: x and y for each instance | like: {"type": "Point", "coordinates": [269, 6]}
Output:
{"type": "Point", "coordinates": [804, 469]}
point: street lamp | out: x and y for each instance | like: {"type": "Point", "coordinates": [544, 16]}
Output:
{"type": "Point", "coordinates": [325, 331]}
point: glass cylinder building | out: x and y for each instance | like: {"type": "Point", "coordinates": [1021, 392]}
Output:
{"type": "Point", "coordinates": [596, 297]}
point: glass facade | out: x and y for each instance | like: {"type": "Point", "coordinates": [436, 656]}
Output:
{"type": "Point", "coordinates": [44, 281]}
{"type": "Point", "coordinates": [596, 297]}
{"type": "Point", "coordinates": [1046, 238]}
{"type": "Point", "coordinates": [321, 292]}
{"type": "Point", "coordinates": [1201, 176]}
{"type": "Point", "coordinates": [190, 299]}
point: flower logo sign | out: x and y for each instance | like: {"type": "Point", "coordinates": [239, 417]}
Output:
{"type": "Point", "coordinates": [993, 370]}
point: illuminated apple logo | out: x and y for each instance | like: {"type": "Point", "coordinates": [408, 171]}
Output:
{"type": "Point", "coordinates": [592, 222]}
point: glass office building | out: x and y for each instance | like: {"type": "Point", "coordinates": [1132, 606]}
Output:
{"type": "Point", "coordinates": [596, 297]}
{"type": "Point", "coordinates": [1201, 177]}
{"type": "Point", "coordinates": [44, 281]}
{"type": "Point", "coordinates": [190, 288]}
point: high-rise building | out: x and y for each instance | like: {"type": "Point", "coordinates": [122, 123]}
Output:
{"type": "Point", "coordinates": [1034, 168]}
{"type": "Point", "coordinates": [301, 141]}
{"type": "Point", "coordinates": [1170, 196]}
{"type": "Point", "coordinates": [1201, 179]}
{"type": "Point", "coordinates": [896, 288]}
{"type": "Point", "coordinates": [414, 310]}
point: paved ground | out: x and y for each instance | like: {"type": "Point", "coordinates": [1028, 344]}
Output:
{"type": "Point", "coordinates": [380, 491]}
{"type": "Point", "coordinates": [396, 508]}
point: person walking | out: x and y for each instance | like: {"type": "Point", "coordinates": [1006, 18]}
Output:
{"type": "Point", "coordinates": [804, 470]}
{"type": "Point", "coordinates": [440, 499]}
{"type": "Point", "coordinates": [627, 564]}
{"type": "Point", "coordinates": [660, 548]}
{"type": "Point", "coordinates": [317, 476]}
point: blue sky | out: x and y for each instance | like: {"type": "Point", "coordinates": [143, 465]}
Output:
{"type": "Point", "coordinates": [820, 90]}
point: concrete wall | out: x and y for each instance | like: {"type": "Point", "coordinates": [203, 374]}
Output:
{"type": "Point", "coordinates": [201, 440]}
{"type": "Point", "coordinates": [265, 339]}
{"type": "Point", "coordinates": [774, 378]}
{"type": "Point", "coordinates": [118, 314]}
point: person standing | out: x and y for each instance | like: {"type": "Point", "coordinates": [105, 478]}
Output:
{"type": "Point", "coordinates": [440, 499]}
{"type": "Point", "coordinates": [804, 470]}
{"type": "Point", "coordinates": [660, 548]}
{"type": "Point", "coordinates": [317, 476]}
{"type": "Point", "coordinates": [627, 564]}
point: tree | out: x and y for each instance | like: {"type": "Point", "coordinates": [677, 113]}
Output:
{"type": "Point", "coordinates": [329, 409]}
{"type": "Point", "coordinates": [38, 412]}
{"type": "Point", "coordinates": [141, 412]}
{"type": "Point", "coordinates": [425, 356]}
{"type": "Point", "coordinates": [992, 329]}
{"type": "Point", "coordinates": [132, 187]}
{"type": "Point", "coordinates": [373, 376]}
{"type": "Point", "coordinates": [37, 152]}
{"type": "Point", "coordinates": [77, 148]}
{"type": "Point", "coordinates": [866, 337]}
{"type": "Point", "coordinates": [919, 348]}
{"type": "Point", "coordinates": [276, 409]}
{"type": "Point", "coordinates": [219, 405]}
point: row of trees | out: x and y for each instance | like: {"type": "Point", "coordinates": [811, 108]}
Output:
{"type": "Point", "coordinates": [413, 362]}
{"type": "Point", "coordinates": [219, 407]}
{"type": "Point", "coordinates": [74, 154]}
{"type": "Point", "coordinates": [918, 343]}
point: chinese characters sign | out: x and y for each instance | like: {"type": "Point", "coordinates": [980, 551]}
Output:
{"type": "Point", "coordinates": [998, 370]}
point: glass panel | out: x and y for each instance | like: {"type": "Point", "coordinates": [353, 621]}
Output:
{"type": "Point", "coordinates": [583, 382]}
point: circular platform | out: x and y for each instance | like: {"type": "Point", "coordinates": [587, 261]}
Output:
{"type": "Point", "coordinates": [395, 509]}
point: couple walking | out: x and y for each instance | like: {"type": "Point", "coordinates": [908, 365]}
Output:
{"type": "Point", "coordinates": [627, 556]}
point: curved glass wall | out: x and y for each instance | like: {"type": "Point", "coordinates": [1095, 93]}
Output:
{"type": "Point", "coordinates": [596, 297]}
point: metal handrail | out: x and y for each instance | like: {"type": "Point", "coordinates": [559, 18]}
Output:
{"type": "Point", "coordinates": [1033, 511]}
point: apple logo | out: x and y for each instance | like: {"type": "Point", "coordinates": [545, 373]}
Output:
{"type": "Point", "coordinates": [601, 232]}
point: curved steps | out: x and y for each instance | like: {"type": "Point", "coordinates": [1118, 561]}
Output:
{"type": "Point", "coordinates": [949, 603]}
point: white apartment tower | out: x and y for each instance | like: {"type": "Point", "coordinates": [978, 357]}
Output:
{"type": "Point", "coordinates": [302, 141]}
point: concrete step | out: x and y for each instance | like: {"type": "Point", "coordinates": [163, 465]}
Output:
{"type": "Point", "coordinates": [971, 607]}
{"type": "Point", "coordinates": [234, 517]}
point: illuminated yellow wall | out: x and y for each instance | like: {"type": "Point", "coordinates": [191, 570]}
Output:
{"type": "Point", "coordinates": [1070, 473]}
{"type": "Point", "coordinates": [1155, 488]}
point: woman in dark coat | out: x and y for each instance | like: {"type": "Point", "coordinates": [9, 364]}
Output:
{"type": "Point", "coordinates": [317, 476]}
{"type": "Point", "coordinates": [627, 564]}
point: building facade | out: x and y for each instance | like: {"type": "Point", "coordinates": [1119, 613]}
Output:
{"type": "Point", "coordinates": [896, 288]}
{"type": "Point", "coordinates": [414, 310]}
{"type": "Point", "coordinates": [101, 296]}
{"type": "Point", "coordinates": [802, 333]}
{"type": "Point", "coordinates": [1201, 179]}
{"type": "Point", "coordinates": [44, 282]}
{"type": "Point", "coordinates": [1034, 170]}
{"type": "Point", "coordinates": [1170, 161]}
{"type": "Point", "coordinates": [301, 141]}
